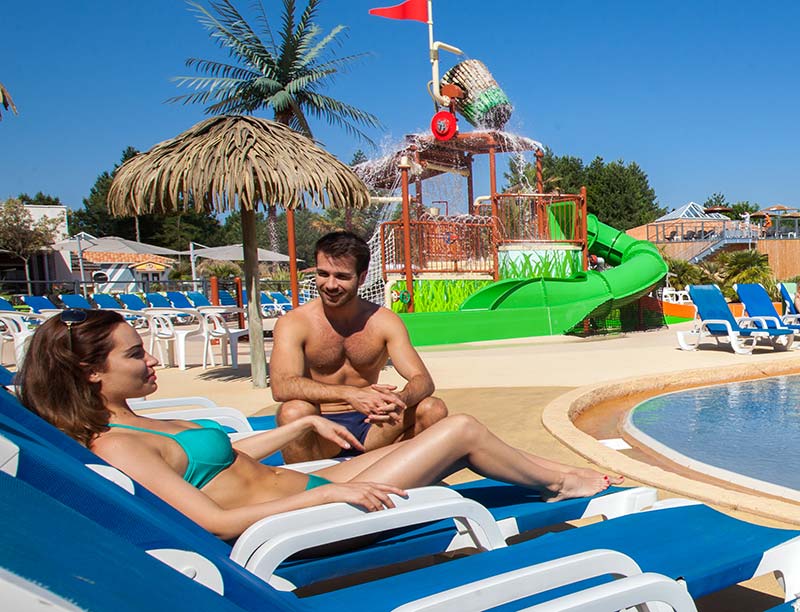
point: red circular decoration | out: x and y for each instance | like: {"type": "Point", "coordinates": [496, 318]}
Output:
{"type": "Point", "coordinates": [444, 125]}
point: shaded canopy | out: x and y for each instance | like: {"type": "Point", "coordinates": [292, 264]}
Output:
{"type": "Point", "coordinates": [235, 252]}
{"type": "Point", "coordinates": [234, 161]}
{"type": "Point", "coordinates": [111, 244]}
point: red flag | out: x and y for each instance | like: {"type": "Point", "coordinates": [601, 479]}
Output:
{"type": "Point", "coordinates": [410, 9]}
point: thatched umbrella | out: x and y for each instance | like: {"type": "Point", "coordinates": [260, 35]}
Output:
{"type": "Point", "coordinates": [230, 162]}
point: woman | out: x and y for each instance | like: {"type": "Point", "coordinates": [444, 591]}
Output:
{"type": "Point", "coordinates": [83, 366]}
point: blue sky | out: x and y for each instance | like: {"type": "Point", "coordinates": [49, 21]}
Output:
{"type": "Point", "coordinates": [703, 95]}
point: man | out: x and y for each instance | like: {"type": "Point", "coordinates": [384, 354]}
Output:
{"type": "Point", "coordinates": [329, 352]}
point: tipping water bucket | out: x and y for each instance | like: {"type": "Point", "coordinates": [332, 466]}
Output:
{"type": "Point", "coordinates": [484, 104]}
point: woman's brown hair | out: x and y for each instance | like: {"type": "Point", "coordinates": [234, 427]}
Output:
{"type": "Point", "coordinates": [54, 377]}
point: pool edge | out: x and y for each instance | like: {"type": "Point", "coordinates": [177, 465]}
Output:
{"type": "Point", "coordinates": [558, 415]}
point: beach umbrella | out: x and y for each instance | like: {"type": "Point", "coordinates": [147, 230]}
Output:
{"type": "Point", "coordinates": [83, 242]}
{"type": "Point", "coordinates": [235, 252]}
{"type": "Point", "coordinates": [111, 244]}
{"type": "Point", "coordinates": [235, 162]}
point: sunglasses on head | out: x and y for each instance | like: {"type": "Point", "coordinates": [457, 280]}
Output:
{"type": "Point", "coordinates": [70, 317]}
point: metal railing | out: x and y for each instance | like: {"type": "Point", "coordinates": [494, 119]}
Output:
{"type": "Point", "coordinates": [692, 231]}
{"type": "Point", "coordinates": [539, 218]}
{"type": "Point", "coordinates": [441, 246]}
{"type": "Point", "coordinates": [468, 244]}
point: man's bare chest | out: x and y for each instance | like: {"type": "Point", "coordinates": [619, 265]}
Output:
{"type": "Point", "coordinates": [328, 352]}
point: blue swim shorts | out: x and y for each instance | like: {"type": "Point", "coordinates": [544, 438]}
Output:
{"type": "Point", "coordinates": [353, 421]}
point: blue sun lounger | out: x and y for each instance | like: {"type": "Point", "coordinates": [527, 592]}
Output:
{"type": "Point", "coordinates": [40, 304]}
{"type": "Point", "coordinates": [106, 572]}
{"type": "Point", "coordinates": [758, 304]}
{"type": "Point", "coordinates": [514, 509]}
{"type": "Point", "coordinates": [74, 300]}
{"type": "Point", "coordinates": [714, 320]}
{"type": "Point", "coordinates": [156, 300]}
{"type": "Point", "coordinates": [705, 548]}
{"type": "Point", "coordinates": [106, 301]}
{"type": "Point", "coordinates": [179, 299]}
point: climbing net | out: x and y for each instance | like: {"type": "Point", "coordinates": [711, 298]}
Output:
{"type": "Point", "coordinates": [373, 288]}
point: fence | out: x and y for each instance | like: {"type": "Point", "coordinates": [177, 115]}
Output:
{"type": "Point", "coordinates": [539, 218]}
{"type": "Point", "coordinates": [467, 244]}
{"type": "Point", "coordinates": [441, 246]}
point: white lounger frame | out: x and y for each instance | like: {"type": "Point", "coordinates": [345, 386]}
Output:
{"type": "Point", "coordinates": [433, 503]}
{"type": "Point", "coordinates": [742, 345]}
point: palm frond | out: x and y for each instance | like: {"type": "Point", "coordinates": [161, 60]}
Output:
{"type": "Point", "coordinates": [289, 79]}
{"type": "Point", "coordinates": [342, 115]}
{"type": "Point", "coordinates": [233, 33]}
{"type": "Point", "coordinates": [219, 69]}
{"type": "Point", "coordinates": [263, 21]}
{"type": "Point", "coordinates": [6, 101]}
{"type": "Point", "coordinates": [323, 44]}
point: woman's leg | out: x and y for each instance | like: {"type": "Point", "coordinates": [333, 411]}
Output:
{"type": "Point", "coordinates": [568, 469]}
{"type": "Point", "coordinates": [462, 441]}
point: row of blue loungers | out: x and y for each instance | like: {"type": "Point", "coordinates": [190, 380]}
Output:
{"type": "Point", "coordinates": [72, 535]}
{"type": "Point", "coordinates": [132, 301]}
{"type": "Point", "coordinates": [762, 323]}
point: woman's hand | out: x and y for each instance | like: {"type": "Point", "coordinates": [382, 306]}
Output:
{"type": "Point", "coordinates": [371, 496]}
{"type": "Point", "coordinates": [335, 433]}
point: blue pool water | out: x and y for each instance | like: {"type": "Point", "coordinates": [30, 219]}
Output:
{"type": "Point", "coordinates": [751, 428]}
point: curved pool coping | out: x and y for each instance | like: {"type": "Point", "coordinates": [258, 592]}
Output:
{"type": "Point", "coordinates": [558, 416]}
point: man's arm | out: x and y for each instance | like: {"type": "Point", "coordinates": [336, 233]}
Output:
{"type": "Point", "coordinates": [407, 362]}
{"type": "Point", "coordinates": [288, 380]}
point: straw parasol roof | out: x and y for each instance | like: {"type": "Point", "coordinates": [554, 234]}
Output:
{"type": "Point", "coordinates": [235, 162]}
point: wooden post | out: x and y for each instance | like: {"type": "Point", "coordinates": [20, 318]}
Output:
{"type": "Point", "coordinates": [214, 290]}
{"type": "Point", "coordinates": [294, 283]}
{"type": "Point", "coordinates": [495, 209]}
{"type": "Point", "coordinates": [583, 229]}
{"type": "Point", "coordinates": [470, 187]}
{"type": "Point", "coordinates": [258, 357]}
{"type": "Point", "coordinates": [237, 282]}
{"type": "Point", "coordinates": [405, 166]}
{"type": "Point", "coordinates": [539, 177]}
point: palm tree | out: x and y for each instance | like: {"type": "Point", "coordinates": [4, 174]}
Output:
{"type": "Point", "coordinates": [747, 267]}
{"type": "Point", "coordinates": [5, 101]}
{"type": "Point", "coordinates": [286, 77]}
{"type": "Point", "coordinates": [682, 273]}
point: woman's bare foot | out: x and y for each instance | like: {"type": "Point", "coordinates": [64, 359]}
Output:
{"type": "Point", "coordinates": [589, 473]}
{"type": "Point", "coordinates": [573, 486]}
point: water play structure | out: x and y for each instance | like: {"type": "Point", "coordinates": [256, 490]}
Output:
{"type": "Point", "coordinates": [506, 265]}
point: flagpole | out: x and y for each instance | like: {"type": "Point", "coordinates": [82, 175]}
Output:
{"type": "Point", "coordinates": [434, 46]}
{"type": "Point", "coordinates": [430, 28]}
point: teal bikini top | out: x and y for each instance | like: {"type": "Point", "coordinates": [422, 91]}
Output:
{"type": "Point", "coordinates": [208, 449]}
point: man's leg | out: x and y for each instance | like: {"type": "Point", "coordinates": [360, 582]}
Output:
{"type": "Point", "coordinates": [415, 420]}
{"type": "Point", "coordinates": [309, 446]}
{"type": "Point", "coordinates": [429, 411]}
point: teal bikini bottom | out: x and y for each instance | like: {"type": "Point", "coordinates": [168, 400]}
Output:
{"type": "Point", "coordinates": [315, 481]}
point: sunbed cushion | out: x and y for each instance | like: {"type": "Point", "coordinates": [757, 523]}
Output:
{"type": "Point", "coordinates": [61, 551]}
{"type": "Point", "coordinates": [708, 549]}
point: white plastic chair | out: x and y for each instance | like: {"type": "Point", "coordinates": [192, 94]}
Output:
{"type": "Point", "coordinates": [216, 328]}
{"type": "Point", "coordinates": [14, 328]}
{"type": "Point", "coordinates": [164, 334]}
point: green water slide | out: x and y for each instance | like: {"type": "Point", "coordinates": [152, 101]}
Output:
{"type": "Point", "coordinates": [517, 308]}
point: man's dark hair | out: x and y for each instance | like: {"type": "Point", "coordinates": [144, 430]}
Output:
{"type": "Point", "coordinates": [344, 244]}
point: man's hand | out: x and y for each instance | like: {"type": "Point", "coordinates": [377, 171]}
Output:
{"type": "Point", "coordinates": [379, 403]}
{"type": "Point", "coordinates": [371, 496]}
{"type": "Point", "coordinates": [335, 433]}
